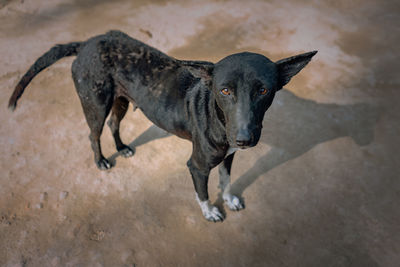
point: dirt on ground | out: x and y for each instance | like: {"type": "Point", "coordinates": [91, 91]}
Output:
{"type": "Point", "coordinates": [321, 188]}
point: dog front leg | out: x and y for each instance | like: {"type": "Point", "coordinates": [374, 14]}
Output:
{"type": "Point", "coordinates": [224, 171]}
{"type": "Point", "coordinates": [200, 180]}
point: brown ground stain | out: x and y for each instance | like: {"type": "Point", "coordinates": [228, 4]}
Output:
{"type": "Point", "coordinates": [219, 38]}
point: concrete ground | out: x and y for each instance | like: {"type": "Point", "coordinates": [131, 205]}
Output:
{"type": "Point", "coordinates": [321, 189]}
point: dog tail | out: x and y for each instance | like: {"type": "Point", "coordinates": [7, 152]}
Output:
{"type": "Point", "coordinates": [55, 53]}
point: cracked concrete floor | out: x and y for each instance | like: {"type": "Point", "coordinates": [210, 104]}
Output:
{"type": "Point", "coordinates": [321, 188]}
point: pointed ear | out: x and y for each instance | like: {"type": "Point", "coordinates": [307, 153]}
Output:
{"type": "Point", "coordinates": [288, 67]}
{"type": "Point", "coordinates": [200, 69]}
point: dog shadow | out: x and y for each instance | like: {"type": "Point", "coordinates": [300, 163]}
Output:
{"type": "Point", "coordinates": [152, 133]}
{"type": "Point", "coordinates": [294, 125]}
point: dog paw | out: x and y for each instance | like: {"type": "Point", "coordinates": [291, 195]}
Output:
{"type": "Point", "coordinates": [210, 212]}
{"type": "Point", "coordinates": [126, 152]}
{"type": "Point", "coordinates": [233, 202]}
{"type": "Point", "coordinates": [213, 214]}
{"type": "Point", "coordinates": [103, 164]}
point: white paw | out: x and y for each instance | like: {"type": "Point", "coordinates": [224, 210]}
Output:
{"type": "Point", "coordinates": [210, 212]}
{"type": "Point", "coordinates": [233, 202]}
{"type": "Point", "coordinates": [213, 215]}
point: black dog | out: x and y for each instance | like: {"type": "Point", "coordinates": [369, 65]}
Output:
{"type": "Point", "coordinates": [219, 107]}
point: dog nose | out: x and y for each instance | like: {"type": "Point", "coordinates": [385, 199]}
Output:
{"type": "Point", "coordinates": [243, 138]}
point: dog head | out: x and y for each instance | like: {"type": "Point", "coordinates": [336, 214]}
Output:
{"type": "Point", "coordinates": [244, 86]}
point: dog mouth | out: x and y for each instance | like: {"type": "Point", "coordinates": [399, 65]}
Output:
{"type": "Point", "coordinates": [242, 145]}
{"type": "Point", "coordinates": [237, 141]}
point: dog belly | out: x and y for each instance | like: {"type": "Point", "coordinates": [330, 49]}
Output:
{"type": "Point", "coordinates": [169, 119]}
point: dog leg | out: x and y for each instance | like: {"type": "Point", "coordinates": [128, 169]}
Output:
{"type": "Point", "coordinates": [119, 108]}
{"type": "Point", "coordinates": [96, 128]}
{"type": "Point", "coordinates": [96, 124]}
{"type": "Point", "coordinates": [200, 180]}
{"type": "Point", "coordinates": [224, 170]}
{"type": "Point", "coordinates": [96, 100]}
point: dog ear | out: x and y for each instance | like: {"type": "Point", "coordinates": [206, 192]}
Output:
{"type": "Point", "coordinates": [288, 67]}
{"type": "Point", "coordinates": [200, 69]}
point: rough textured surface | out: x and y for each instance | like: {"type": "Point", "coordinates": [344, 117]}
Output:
{"type": "Point", "coordinates": [321, 189]}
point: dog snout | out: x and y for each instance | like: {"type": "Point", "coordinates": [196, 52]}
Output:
{"type": "Point", "coordinates": [243, 138]}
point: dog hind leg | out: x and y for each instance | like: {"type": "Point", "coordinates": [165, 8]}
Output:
{"type": "Point", "coordinates": [96, 99]}
{"type": "Point", "coordinates": [119, 108]}
{"type": "Point", "coordinates": [224, 171]}
{"type": "Point", "coordinates": [95, 120]}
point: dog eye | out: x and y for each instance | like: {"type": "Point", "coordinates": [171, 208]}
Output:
{"type": "Point", "coordinates": [263, 91]}
{"type": "Point", "coordinates": [225, 91]}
